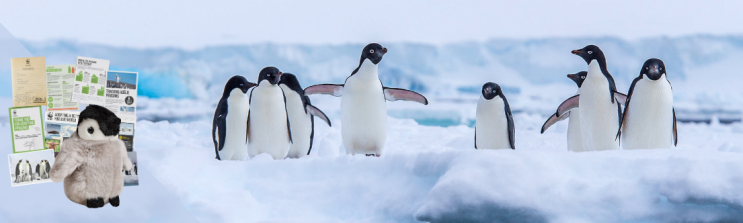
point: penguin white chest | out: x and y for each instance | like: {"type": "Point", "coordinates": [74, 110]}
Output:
{"type": "Point", "coordinates": [491, 124]}
{"type": "Point", "coordinates": [649, 123]}
{"type": "Point", "coordinates": [269, 132]}
{"type": "Point", "coordinates": [301, 124]}
{"type": "Point", "coordinates": [364, 112]}
{"type": "Point", "coordinates": [599, 117]}
{"type": "Point", "coordinates": [235, 145]}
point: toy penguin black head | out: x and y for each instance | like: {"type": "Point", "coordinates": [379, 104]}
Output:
{"type": "Point", "coordinates": [97, 123]}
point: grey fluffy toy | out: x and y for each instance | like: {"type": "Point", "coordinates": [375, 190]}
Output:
{"type": "Point", "coordinates": [91, 161]}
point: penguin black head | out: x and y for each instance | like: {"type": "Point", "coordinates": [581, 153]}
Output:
{"type": "Point", "coordinates": [578, 77]}
{"type": "Point", "coordinates": [271, 74]}
{"type": "Point", "coordinates": [490, 90]}
{"type": "Point", "coordinates": [589, 53]}
{"type": "Point", "coordinates": [97, 123]}
{"type": "Point", "coordinates": [653, 68]}
{"type": "Point", "coordinates": [374, 52]}
{"type": "Point", "coordinates": [291, 81]}
{"type": "Point", "coordinates": [237, 81]}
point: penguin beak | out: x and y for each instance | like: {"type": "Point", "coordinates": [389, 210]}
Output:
{"type": "Point", "coordinates": [384, 51]}
{"type": "Point", "coordinates": [570, 76]}
{"type": "Point", "coordinates": [654, 73]}
{"type": "Point", "coordinates": [576, 52]}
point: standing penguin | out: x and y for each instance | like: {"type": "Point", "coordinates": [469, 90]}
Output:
{"type": "Point", "coordinates": [650, 122]}
{"type": "Point", "coordinates": [268, 122]}
{"type": "Point", "coordinates": [300, 112]}
{"type": "Point", "coordinates": [363, 108]}
{"type": "Point", "coordinates": [19, 172]}
{"type": "Point", "coordinates": [494, 120]}
{"type": "Point", "coordinates": [230, 123]}
{"type": "Point", "coordinates": [600, 103]}
{"type": "Point", "coordinates": [29, 172]}
{"type": "Point", "coordinates": [574, 141]}
{"type": "Point", "coordinates": [38, 168]}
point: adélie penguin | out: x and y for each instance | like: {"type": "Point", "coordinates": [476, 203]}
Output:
{"type": "Point", "coordinates": [363, 106]}
{"type": "Point", "coordinates": [600, 103]}
{"type": "Point", "coordinates": [300, 111]}
{"type": "Point", "coordinates": [574, 141]}
{"type": "Point", "coordinates": [268, 122]}
{"type": "Point", "coordinates": [230, 123]}
{"type": "Point", "coordinates": [649, 117]}
{"type": "Point", "coordinates": [494, 127]}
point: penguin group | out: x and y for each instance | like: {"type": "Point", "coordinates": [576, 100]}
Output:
{"type": "Point", "coordinates": [275, 116]}
{"type": "Point", "coordinates": [24, 172]}
{"type": "Point", "coordinates": [600, 115]}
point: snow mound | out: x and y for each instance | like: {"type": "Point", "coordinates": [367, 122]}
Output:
{"type": "Point", "coordinates": [434, 174]}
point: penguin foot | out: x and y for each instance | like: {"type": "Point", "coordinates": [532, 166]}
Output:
{"type": "Point", "coordinates": [95, 202]}
{"type": "Point", "coordinates": [114, 201]}
{"type": "Point", "coordinates": [370, 155]}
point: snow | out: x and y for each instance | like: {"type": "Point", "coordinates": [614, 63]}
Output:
{"type": "Point", "coordinates": [434, 174]}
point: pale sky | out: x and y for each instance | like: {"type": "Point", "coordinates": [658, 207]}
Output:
{"type": "Point", "coordinates": [195, 24]}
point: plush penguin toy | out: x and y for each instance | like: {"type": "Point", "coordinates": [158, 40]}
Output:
{"type": "Point", "coordinates": [91, 161]}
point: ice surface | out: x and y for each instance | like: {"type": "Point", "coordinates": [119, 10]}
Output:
{"type": "Point", "coordinates": [434, 174]}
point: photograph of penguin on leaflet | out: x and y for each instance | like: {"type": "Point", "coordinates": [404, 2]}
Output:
{"type": "Point", "coordinates": [30, 168]}
{"type": "Point", "coordinates": [131, 177]}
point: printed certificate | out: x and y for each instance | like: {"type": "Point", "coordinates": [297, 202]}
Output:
{"type": "Point", "coordinates": [29, 81]}
{"type": "Point", "coordinates": [90, 81]}
{"type": "Point", "coordinates": [60, 80]}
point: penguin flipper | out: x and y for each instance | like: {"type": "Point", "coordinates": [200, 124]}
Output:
{"type": "Point", "coordinates": [623, 115]}
{"type": "Point", "coordinates": [554, 119]}
{"type": "Point", "coordinates": [314, 111]}
{"type": "Point", "coordinates": [675, 132]}
{"type": "Point", "coordinates": [621, 98]}
{"type": "Point", "coordinates": [395, 94]}
{"type": "Point", "coordinates": [286, 111]}
{"type": "Point", "coordinates": [570, 103]}
{"type": "Point", "coordinates": [219, 127]}
{"type": "Point", "coordinates": [511, 126]}
{"type": "Point", "coordinates": [329, 89]}
{"type": "Point", "coordinates": [38, 167]}
{"type": "Point", "coordinates": [475, 137]}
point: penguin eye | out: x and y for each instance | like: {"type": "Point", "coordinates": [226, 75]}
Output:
{"type": "Point", "coordinates": [371, 51]}
{"type": "Point", "coordinates": [590, 52]}
{"type": "Point", "coordinates": [646, 68]}
{"type": "Point", "coordinates": [660, 68]}
{"type": "Point", "coordinates": [91, 130]}
{"type": "Point", "coordinates": [582, 77]}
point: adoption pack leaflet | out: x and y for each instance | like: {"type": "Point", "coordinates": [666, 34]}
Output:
{"type": "Point", "coordinates": [60, 80]}
{"type": "Point", "coordinates": [26, 129]}
{"type": "Point", "coordinates": [59, 126]}
{"type": "Point", "coordinates": [121, 94]}
{"type": "Point", "coordinates": [90, 81]}
{"type": "Point", "coordinates": [29, 81]}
